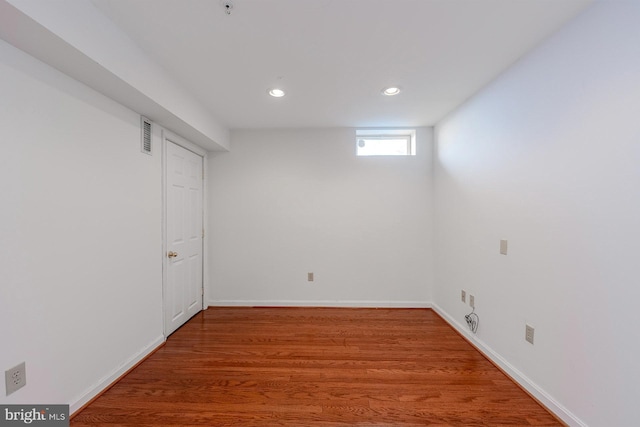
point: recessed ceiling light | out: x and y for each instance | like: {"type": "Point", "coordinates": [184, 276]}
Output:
{"type": "Point", "coordinates": [276, 93]}
{"type": "Point", "coordinates": [390, 91]}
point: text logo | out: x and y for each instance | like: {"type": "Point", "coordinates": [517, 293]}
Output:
{"type": "Point", "coordinates": [34, 415]}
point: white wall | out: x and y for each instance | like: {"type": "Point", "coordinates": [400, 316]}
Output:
{"type": "Point", "coordinates": [288, 202]}
{"type": "Point", "coordinates": [548, 157]}
{"type": "Point", "coordinates": [80, 234]}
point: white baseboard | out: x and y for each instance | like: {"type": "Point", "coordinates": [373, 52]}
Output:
{"type": "Point", "coordinates": [107, 381]}
{"type": "Point", "coordinates": [305, 303]}
{"type": "Point", "coordinates": [532, 388]}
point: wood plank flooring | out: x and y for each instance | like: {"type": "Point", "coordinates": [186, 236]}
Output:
{"type": "Point", "coordinates": [315, 367]}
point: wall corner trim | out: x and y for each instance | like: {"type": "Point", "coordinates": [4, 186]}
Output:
{"type": "Point", "coordinates": [562, 413]}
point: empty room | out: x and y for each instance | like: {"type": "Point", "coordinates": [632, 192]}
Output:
{"type": "Point", "coordinates": [319, 212]}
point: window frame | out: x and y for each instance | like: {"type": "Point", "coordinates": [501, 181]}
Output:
{"type": "Point", "coordinates": [387, 134]}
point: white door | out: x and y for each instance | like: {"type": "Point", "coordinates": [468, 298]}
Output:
{"type": "Point", "coordinates": [183, 280]}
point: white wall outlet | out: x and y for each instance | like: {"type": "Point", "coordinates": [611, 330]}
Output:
{"type": "Point", "coordinates": [463, 296]}
{"type": "Point", "coordinates": [472, 301]}
{"type": "Point", "coordinates": [528, 334]}
{"type": "Point", "coordinates": [15, 378]}
{"type": "Point", "coordinates": [309, 277]}
{"type": "Point", "coordinates": [503, 247]}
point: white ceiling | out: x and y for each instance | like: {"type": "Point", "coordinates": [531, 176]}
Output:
{"type": "Point", "coordinates": [333, 57]}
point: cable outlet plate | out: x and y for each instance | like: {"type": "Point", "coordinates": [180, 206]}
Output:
{"type": "Point", "coordinates": [528, 335]}
{"type": "Point", "coordinates": [15, 378]}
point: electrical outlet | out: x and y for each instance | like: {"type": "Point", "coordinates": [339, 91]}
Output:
{"type": "Point", "coordinates": [15, 378]}
{"type": "Point", "coordinates": [472, 301]}
{"type": "Point", "coordinates": [463, 296]}
{"type": "Point", "coordinates": [528, 335]}
{"type": "Point", "coordinates": [309, 277]}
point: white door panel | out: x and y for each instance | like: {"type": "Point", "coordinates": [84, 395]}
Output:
{"type": "Point", "coordinates": [183, 284]}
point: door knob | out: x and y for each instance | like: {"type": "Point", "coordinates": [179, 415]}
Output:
{"type": "Point", "coordinates": [172, 254]}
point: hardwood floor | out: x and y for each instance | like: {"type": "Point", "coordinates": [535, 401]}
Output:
{"type": "Point", "coordinates": [315, 367]}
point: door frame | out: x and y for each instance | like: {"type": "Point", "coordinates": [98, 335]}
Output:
{"type": "Point", "coordinates": [170, 137]}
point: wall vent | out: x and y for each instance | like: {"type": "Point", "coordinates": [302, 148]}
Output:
{"type": "Point", "coordinates": [145, 135]}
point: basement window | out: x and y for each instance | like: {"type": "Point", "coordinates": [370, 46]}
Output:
{"type": "Point", "coordinates": [386, 142]}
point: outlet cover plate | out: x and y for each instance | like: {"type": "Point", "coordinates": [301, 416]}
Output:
{"type": "Point", "coordinates": [503, 247]}
{"type": "Point", "coordinates": [472, 301]}
{"type": "Point", "coordinates": [463, 296]}
{"type": "Point", "coordinates": [528, 335]}
{"type": "Point", "coordinates": [15, 378]}
{"type": "Point", "coordinates": [309, 277]}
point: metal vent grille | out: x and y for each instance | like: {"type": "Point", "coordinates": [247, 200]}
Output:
{"type": "Point", "coordinates": [145, 135]}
